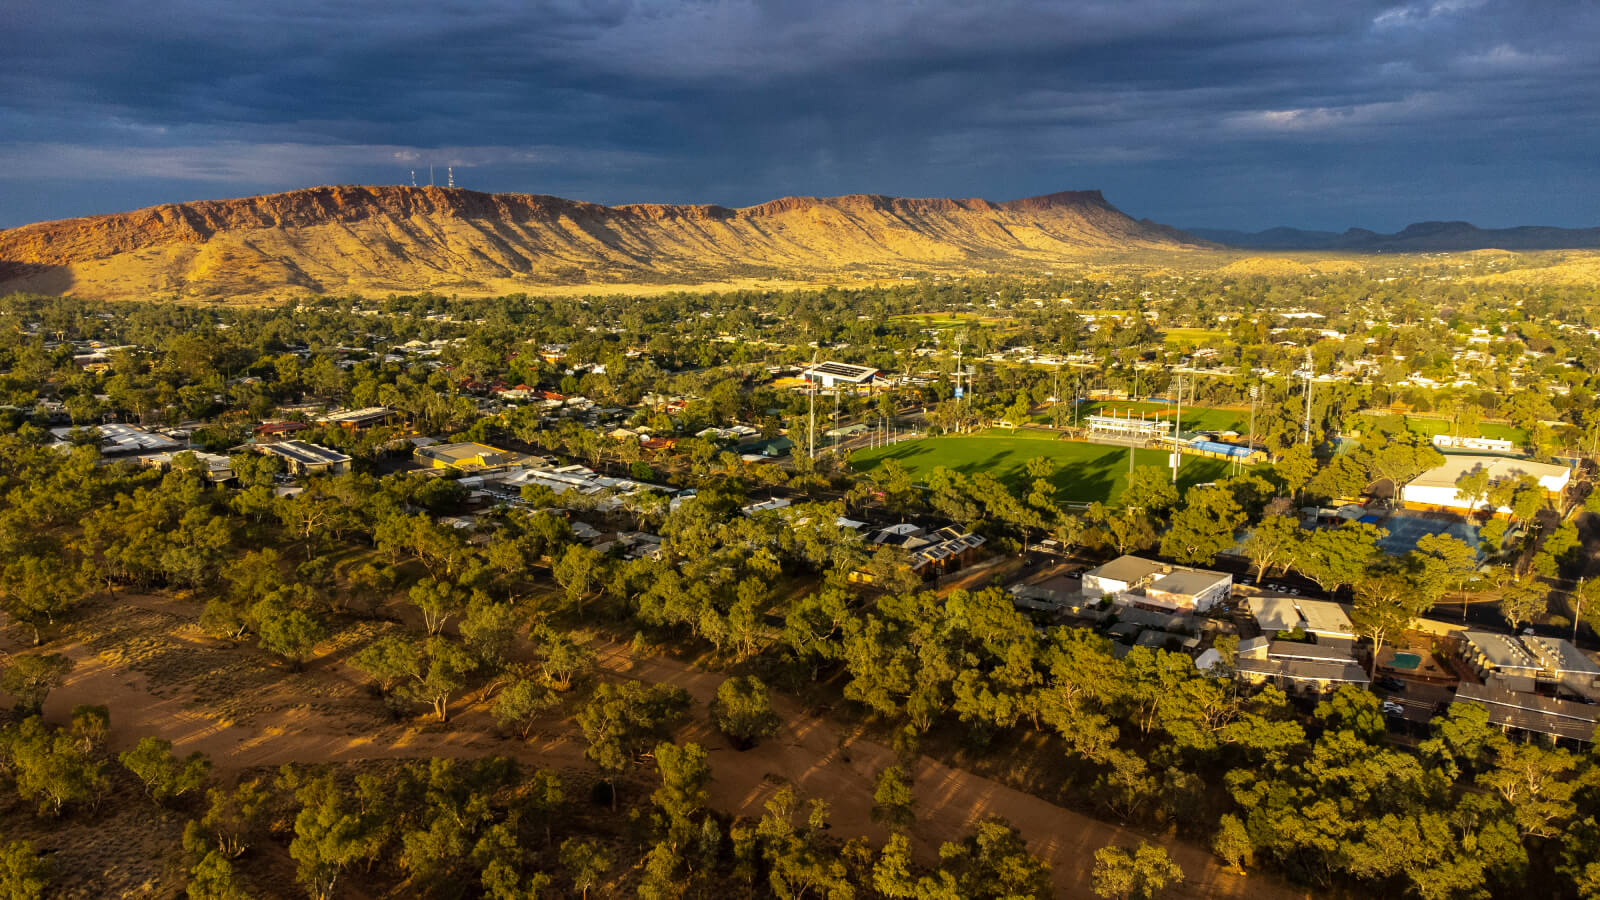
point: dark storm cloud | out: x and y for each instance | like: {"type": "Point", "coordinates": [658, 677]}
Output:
{"type": "Point", "coordinates": [1241, 113]}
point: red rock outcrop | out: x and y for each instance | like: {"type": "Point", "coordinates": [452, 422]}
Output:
{"type": "Point", "coordinates": [383, 238]}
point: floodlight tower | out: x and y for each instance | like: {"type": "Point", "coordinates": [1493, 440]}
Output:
{"type": "Point", "coordinates": [1177, 432]}
{"type": "Point", "coordinates": [1255, 393]}
{"type": "Point", "coordinates": [961, 338]}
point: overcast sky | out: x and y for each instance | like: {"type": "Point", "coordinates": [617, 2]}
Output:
{"type": "Point", "coordinates": [1223, 113]}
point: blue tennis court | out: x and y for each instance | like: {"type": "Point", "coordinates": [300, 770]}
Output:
{"type": "Point", "coordinates": [1405, 531]}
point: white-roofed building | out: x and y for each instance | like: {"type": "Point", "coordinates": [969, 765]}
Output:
{"type": "Point", "coordinates": [1565, 665]}
{"type": "Point", "coordinates": [1325, 618]}
{"type": "Point", "coordinates": [118, 439]}
{"type": "Point", "coordinates": [1436, 488]}
{"type": "Point", "coordinates": [1504, 656]}
{"type": "Point", "coordinates": [1146, 583]}
{"type": "Point", "coordinates": [837, 374]}
{"type": "Point", "coordinates": [1192, 589]}
{"type": "Point", "coordinates": [1121, 574]}
{"type": "Point", "coordinates": [1484, 445]}
{"type": "Point", "coordinates": [1302, 676]}
{"type": "Point", "coordinates": [1128, 426]}
{"type": "Point", "coordinates": [213, 466]}
{"type": "Point", "coordinates": [368, 417]}
{"type": "Point", "coordinates": [1275, 612]}
{"type": "Point", "coordinates": [766, 506]}
{"type": "Point", "coordinates": [305, 458]}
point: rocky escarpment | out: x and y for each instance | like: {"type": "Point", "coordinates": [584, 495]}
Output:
{"type": "Point", "coordinates": [382, 238]}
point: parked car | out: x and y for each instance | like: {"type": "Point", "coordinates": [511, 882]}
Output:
{"type": "Point", "coordinates": [1391, 708]}
{"type": "Point", "coordinates": [1390, 683]}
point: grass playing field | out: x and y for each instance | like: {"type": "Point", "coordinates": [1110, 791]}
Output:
{"type": "Point", "coordinates": [1086, 472]}
{"type": "Point", "coordinates": [1178, 337]}
{"type": "Point", "coordinates": [1429, 426]}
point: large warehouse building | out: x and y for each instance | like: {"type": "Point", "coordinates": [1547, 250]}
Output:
{"type": "Point", "coordinates": [1436, 488]}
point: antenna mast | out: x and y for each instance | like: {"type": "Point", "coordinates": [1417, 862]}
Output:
{"type": "Point", "coordinates": [450, 173]}
{"type": "Point", "coordinates": [1308, 396]}
{"type": "Point", "coordinates": [413, 177]}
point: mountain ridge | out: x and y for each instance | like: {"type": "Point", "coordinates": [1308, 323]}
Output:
{"type": "Point", "coordinates": [355, 238]}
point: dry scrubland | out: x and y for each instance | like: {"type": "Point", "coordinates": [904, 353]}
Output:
{"type": "Point", "coordinates": [144, 658]}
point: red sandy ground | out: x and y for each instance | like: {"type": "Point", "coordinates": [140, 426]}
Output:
{"type": "Point", "coordinates": [821, 758]}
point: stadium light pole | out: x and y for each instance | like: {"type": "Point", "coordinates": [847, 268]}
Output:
{"type": "Point", "coordinates": [1255, 392]}
{"type": "Point", "coordinates": [1177, 433]}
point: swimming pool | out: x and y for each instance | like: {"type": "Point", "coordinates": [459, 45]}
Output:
{"type": "Point", "coordinates": [1405, 661]}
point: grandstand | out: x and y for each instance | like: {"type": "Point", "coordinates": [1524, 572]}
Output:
{"type": "Point", "coordinates": [1128, 426]}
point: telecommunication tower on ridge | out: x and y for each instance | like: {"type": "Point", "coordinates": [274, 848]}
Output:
{"type": "Point", "coordinates": [450, 174]}
{"type": "Point", "coordinates": [413, 177]}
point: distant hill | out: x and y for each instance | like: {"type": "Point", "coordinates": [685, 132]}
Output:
{"type": "Point", "coordinates": [390, 238]}
{"type": "Point", "coordinates": [1271, 267]}
{"type": "Point", "coordinates": [1421, 237]}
